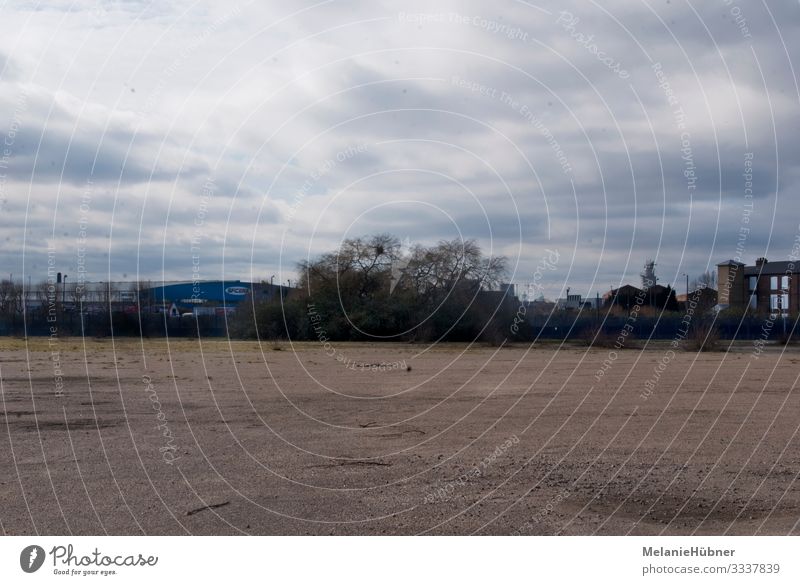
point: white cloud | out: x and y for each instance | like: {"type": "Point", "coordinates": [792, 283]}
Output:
{"type": "Point", "coordinates": [149, 101]}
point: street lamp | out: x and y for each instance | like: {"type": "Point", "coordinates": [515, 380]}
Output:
{"type": "Point", "coordinates": [64, 289]}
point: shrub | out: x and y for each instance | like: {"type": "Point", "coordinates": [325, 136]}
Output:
{"type": "Point", "coordinates": [703, 336]}
{"type": "Point", "coordinates": [595, 336]}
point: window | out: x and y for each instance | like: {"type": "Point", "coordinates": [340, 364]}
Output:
{"type": "Point", "coordinates": [773, 283]}
{"type": "Point", "coordinates": [753, 302]}
{"type": "Point", "coordinates": [784, 283]}
{"type": "Point", "coordinates": [753, 283]}
{"type": "Point", "coordinates": [779, 303]}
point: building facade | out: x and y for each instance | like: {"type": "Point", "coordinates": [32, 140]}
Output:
{"type": "Point", "coordinates": [209, 297]}
{"type": "Point", "coordinates": [702, 300]}
{"type": "Point", "coordinates": [197, 297]}
{"type": "Point", "coordinates": [766, 287]}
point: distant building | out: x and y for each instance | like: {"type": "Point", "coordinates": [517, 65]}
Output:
{"type": "Point", "coordinates": [573, 302]}
{"type": "Point", "coordinates": [768, 287]}
{"type": "Point", "coordinates": [509, 289]}
{"type": "Point", "coordinates": [540, 307]}
{"type": "Point", "coordinates": [704, 299]}
{"type": "Point", "coordinates": [199, 297]}
{"type": "Point", "coordinates": [87, 297]}
{"type": "Point", "coordinates": [503, 297]}
{"type": "Point", "coordinates": [627, 296]}
{"type": "Point", "coordinates": [207, 297]}
{"type": "Point", "coordinates": [594, 302]}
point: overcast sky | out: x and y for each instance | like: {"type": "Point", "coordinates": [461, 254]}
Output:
{"type": "Point", "coordinates": [236, 138]}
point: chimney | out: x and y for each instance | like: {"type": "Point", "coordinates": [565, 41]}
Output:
{"type": "Point", "coordinates": [761, 261]}
{"type": "Point", "coordinates": [58, 278]}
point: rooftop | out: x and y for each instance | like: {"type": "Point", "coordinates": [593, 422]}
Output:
{"type": "Point", "coordinates": [782, 267]}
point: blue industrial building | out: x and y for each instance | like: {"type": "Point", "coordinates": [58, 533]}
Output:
{"type": "Point", "coordinates": [208, 297]}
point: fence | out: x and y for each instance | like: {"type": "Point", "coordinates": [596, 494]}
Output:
{"type": "Point", "coordinates": [559, 326]}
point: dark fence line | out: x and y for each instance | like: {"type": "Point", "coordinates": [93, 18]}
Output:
{"type": "Point", "coordinates": [119, 324]}
{"type": "Point", "coordinates": [559, 326]}
{"type": "Point", "coordinates": [668, 327]}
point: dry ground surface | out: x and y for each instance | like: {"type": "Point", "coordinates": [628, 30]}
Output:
{"type": "Point", "coordinates": [282, 439]}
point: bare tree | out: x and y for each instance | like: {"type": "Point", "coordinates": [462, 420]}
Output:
{"type": "Point", "coordinates": [706, 280]}
{"type": "Point", "coordinates": [451, 264]}
{"type": "Point", "coordinates": [359, 268]}
{"type": "Point", "coordinates": [43, 293]}
{"type": "Point", "coordinates": [17, 300]}
{"type": "Point", "coordinates": [362, 267]}
{"type": "Point", "coordinates": [12, 301]}
{"type": "Point", "coordinates": [5, 294]}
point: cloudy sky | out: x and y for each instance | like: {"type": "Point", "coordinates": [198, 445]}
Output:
{"type": "Point", "coordinates": [141, 139]}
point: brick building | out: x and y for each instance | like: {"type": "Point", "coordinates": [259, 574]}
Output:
{"type": "Point", "coordinates": [766, 287]}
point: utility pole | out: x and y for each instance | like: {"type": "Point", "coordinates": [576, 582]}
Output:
{"type": "Point", "coordinates": [597, 306]}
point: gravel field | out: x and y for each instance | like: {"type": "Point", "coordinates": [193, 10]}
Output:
{"type": "Point", "coordinates": [217, 437]}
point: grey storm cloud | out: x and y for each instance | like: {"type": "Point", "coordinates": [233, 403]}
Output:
{"type": "Point", "coordinates": [55, 145]}
{"type": "Point", "coordinates": [286, 128]}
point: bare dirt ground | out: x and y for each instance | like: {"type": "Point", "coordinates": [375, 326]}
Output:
{"type": "Point", "coordinates": [218, 437]}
